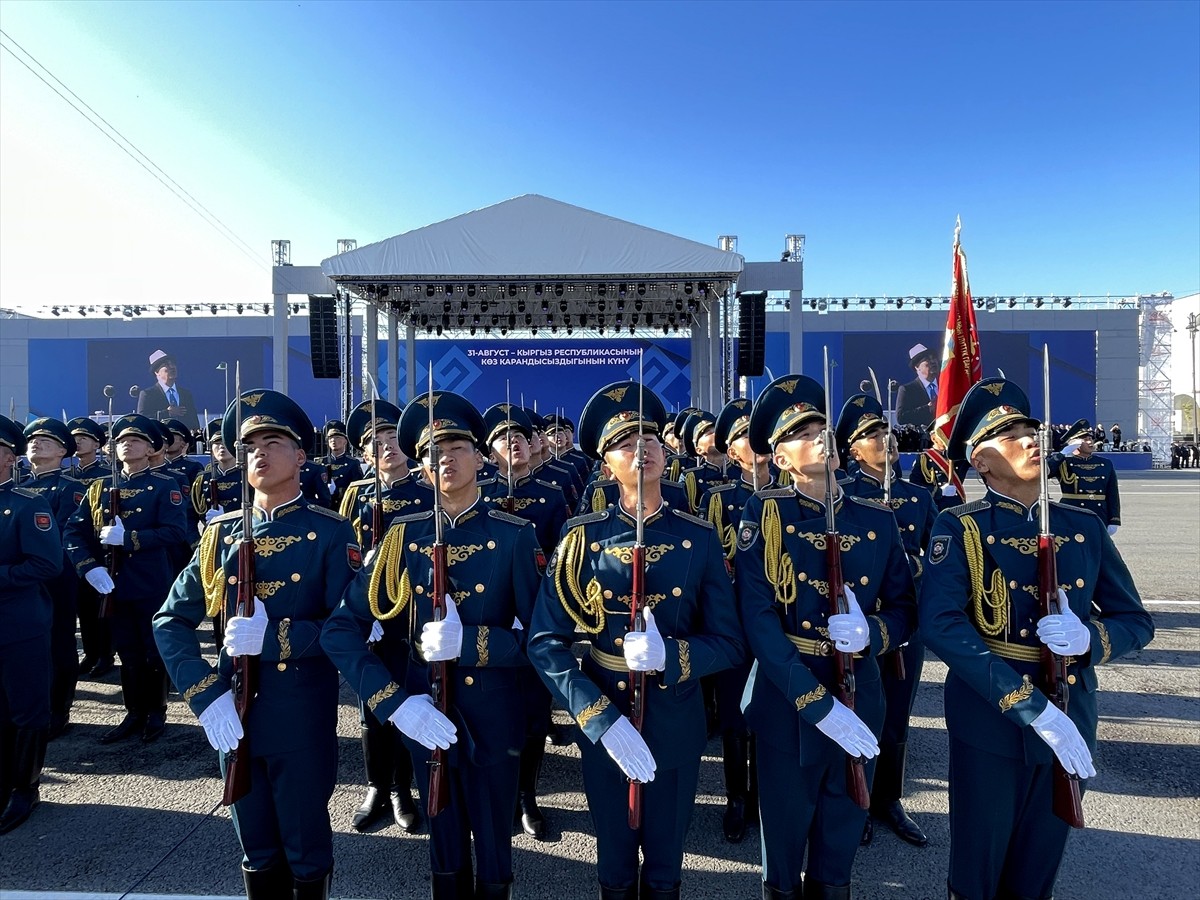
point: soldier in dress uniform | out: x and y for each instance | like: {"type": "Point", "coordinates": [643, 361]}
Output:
{"type": "Point", "coordinates": [722, 505]}
{"type": "Point", "coordinates": [491, 579]}
{"type": "Point", "coordinates": [1087, 481]}
{"type": "Point", "coordinates": [218, 488]}
{"type": "Point", "coordinates": [341, 468]}
{"type": "Point", "coordinates": [544, 466]}
{"type": "Point", "coordinates": [560, 431]}
{"type": "Point", "coordinates": [803, 732]}
{"type": "Point", "coordinates": [152, 521]}
{"type": "Point", "coordinates": [48, 443]}
{"type": "Point", "coordinates": [31, 556]}
{"type": "Point", "coordinates": [176, 453]}
{"type": "Point", "coordinates": [93, 631]}
{"type": "Point", "coordinates": [541, 503]}
{"type": "Point", "coordinates": [314, 479]}
{"type": "Point", "coordinates": [678, 459]}
{"type": "Point", "coordinates": [926, 474]}
{"type": "Point", "coordinates": [304, 558]}
{"type": "Point", "coordinates": [698, 442]}
{"type": "Point", "coordinates": [981, 614]}
{"type": "Point", "coordinates": [389, 767]}
{"type": "Point", "coordinates": [862, 438]}
{"type": "Point", "coordinates": [691, 631]}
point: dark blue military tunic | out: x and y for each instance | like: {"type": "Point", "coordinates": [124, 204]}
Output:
{"type": "Point", "coordinates": [492, 577]}
{"type": "Point", "coordinates": [403, 497]}
{"type": "Point", "coordinates": [534, 500]}
{"type": "Point", "coordinates": [782, 594]}
{"type": "Point", "coordinates": [924, 474]}
{"type": "Point", "coordinates": [341, 472]}
{"type": "Point", "coordinates": [563, 476]}
{"type": "Point", "coordinates": [215, 487]}
{"type": "Point", "coordinates": [305, 557]}
{"type": "Point", "coordinates": [979, 613]}
{"type": "Point", "coordinates": [97, 468]}
{"type": "Point", "coordinates": [1089, 482]}
{"type": "Point", "coordinates": [314, 484]}
{"type": "Point", "coordinates": [587, 587]}
{"type": "Point", "coordinates": [64, 494]}
{"type": "Point", "coordinates": [604, 493]}
{"type": "Point", "coordinates": [31, 555]}
{"type": "Point", "coordinates": [698, 479]}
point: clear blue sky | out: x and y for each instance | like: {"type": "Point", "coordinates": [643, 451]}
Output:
{"type": "Point", "coordinates": [1066, 135]}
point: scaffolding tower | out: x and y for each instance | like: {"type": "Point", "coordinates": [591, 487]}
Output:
{"type": "Point", "coordinates": [1155, 406]}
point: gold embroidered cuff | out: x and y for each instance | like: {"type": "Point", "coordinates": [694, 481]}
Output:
{"type": "Point", "coordinates": [592, 710]}
{"type": "Point", "coordinates": [133, 539]}
{"type": "Point", "coordinates": [285, 645]}
{"type": "Point", "coordinates": [883, 634]}
{"type": "Point", "coordinates": [200, 687]}
{"type": "Point", "coordinates": [685, 661]}
{"type": "Point", "coordinates": [1011, 699]}
{"type": "Point", "coordinates": [1105, 642]}
{"type": "Point", "coordinates": [811, 697]}
{"type": "Point", "coordinates": [382, 694]}
{"type": "Point", "coordinates": [481, 646]}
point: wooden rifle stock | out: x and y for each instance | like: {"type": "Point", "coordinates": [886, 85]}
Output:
{"type": "Point", "coordinates": [439, 683]}
{"type": "Point", "coordinates": [245, 681]}
{"type": "Point", "coordinates": [637, 680]}
{"type": "Point", "coordinates": [1068, 801]}
{"type": "Point", "coordinates": [112, 554]}
{"type": "Point", "coordinates": [856, 777]}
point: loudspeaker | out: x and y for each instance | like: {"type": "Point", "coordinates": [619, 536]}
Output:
{"type": "Point", "coordinates": [752, 333]}
{"type": "Point", "coordinates": [323, 337]}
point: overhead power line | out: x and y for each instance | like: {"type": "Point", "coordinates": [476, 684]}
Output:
{"type": "Point", "coordinates": [127, 146]}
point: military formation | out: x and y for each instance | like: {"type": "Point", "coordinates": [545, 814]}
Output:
{"type": "Point", "coordinates": [764, 573]}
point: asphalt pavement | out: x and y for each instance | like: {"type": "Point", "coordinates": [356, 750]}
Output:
{"type": "Point", "coordinates": [146, 819]}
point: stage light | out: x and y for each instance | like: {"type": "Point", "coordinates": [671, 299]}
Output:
{"type": "Point", "coordinates": [445, 319]}
{"type": "Point", "coordinates": [187, 310]}
{"type": "Point", "coordinates": [1012, 301]}
{"type": "Point", "coordinates": [622, 288]}
{"type": "Point", "coordinates": [537, 289]}
{"type": "Point", "coordinates": [641, 289]}
{"type": "Point", "coordinates": [54, 311]}
{"type": "Point", "coordinates": [240, 309]}
{"type": "Point", "coordinates": [512, 290]}
{"type": "Point", "coordinates": [845, 303]}
{"type": "Point", "coordinates": [512, 320]}
{"type": "Point", "coordinates": [558, 290]}
{"type": "Point", "coordinates": [520, 306]}
{"type": "Point", "coordinates": [582, 319]}
{"type": "Point", "coordinates": [562, 306]}
{"type": "Point", "coordinates": [528, 318]}
{"type": "Point", "coordinates": [108, 310]}
{"type": "Point", "coordinates": [990, 304]}
{"type": "Point", "coordinates": [445, 306]}
{"type": "Point", "coordinates": [429, 290]}
{"type": "Point", "coordinates": [448, 289]}
{"type": "Point", "coordinates": [928, 303]}
{"type": "Point", "coordinates": [602, 289]}
{"type": "Point", "coordinates": [462, 320]}
{"type": "Point", "coordinates": [83, 312]}
{"type": "Point", "coordinates": [212, 308]}
{"type": "Point", "coordinates": [679, 305]}
{"type": "Point", "coordinates": [545, 306]}
{"type": "Point", "coordinates": [600, 305]}
{"type": "Point", "coordinates": [899, 302]}
{"type": "Point", "coordinates": [470, 290]}
{"type": "Point", "coordinates": [688, 287]}
{"type": "Point", "coordinates": [812, 303]}
{"type": "Point", "coordinates": [439, 331]}
{"type": "Point", "coordinates": [871, 302]}
{"type": "Point", "coordinates": [1066, 302]}
{"type": "Point", "coordinates": [483, 305]}
{"type": "Point", "coordinates": [1038, 303]}
{"type": "Point", "coordinates": [822, 305]}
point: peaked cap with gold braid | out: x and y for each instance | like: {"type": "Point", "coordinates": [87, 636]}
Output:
{"type": "Point", "coordinates": [732, 423]}
{"type": "Point", "coordinates": [861, 413]}
{"type": "Point", "coordinates": [695, 427]}
{"type": "Point", "coordinates": [265, 410]}
{"type": "Point", "coordinates": [360, 427]}
{"type": "Point", "coordinates": [784, 406]}
{"type": "Point", "coordinates": [990, 406]}
{"type": "Point", "coordinates": [612, 413]}
{"type": "Point", "coordinates": [454, 418]}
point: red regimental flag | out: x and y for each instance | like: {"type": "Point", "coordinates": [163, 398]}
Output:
{"type": "Point", "coordinates": [961, 365]}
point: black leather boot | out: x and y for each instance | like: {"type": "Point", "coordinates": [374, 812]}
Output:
{"type": "Point", "coordinates": [133, 723]}
{"type": "Point", "coordinates": [377, 755]}
{"type": "Point", "coordinates": [815, 890]}
{"type": "Point", "coordinates": [774, 893]}
{"type": "Point", "coordinates": [274, 883]}
{"type": "Point", "coordinates": [533, 823]}
{"type": "Point", "coordinates": [30, 752]}
{"type": "Point", "coordinates": [607, 893]}
{"type": "Point", "coordinates": [8, 752]}
{"type": "Point", "coordinates": [485, 890]}
{"type": "Point", "coordinates": [733, 748]}
{"type": "Point", "coordinates": [314, 889]}
{"type": "Point", "coordinates": [453, 885]}
{"type": "Point", "coordinates": [158, 685]}
{"type": "Point", "coordinates": [645, 892]}
{"type": "Point", "coordinates": [885, 795]}
{"type": "Point", "coordinates": [404, 807]}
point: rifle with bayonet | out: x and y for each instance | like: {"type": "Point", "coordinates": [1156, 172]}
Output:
{"type": "Point", "coordinates": [896, 655]}
{"type": "Point", "coordinates": [245, 668]}
{"type": "Point", "coordinates": [439, 672]}
{"type": "Point", "coordinates": [510, 502]}
{"type": "Point", "coordinates": [637, 600]}
{"type": "Point", "coordinates": [112, 555]}
{"type": "Point", "coordinates": [1068, 801]}
{"type": "Point", "coordinates": [856, 778]}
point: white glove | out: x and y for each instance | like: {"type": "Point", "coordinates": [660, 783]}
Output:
{"type": "Point", "coordinates": [849, 630]}
{"type": "Point", "coordinates": [1070, 449]}
{"type": "Point", "coordinates": [213, 513]}
{"type": "Point", "coordinates": [848, 731]}
{"type": "Point", "coordinates": [221, 724]}
{"type": "Point", "coordinates": [441, 641]}
{"type": "Point", "coordinates": [100, 580]}
{"type": "Point", "coordinates": [1112, 530]}
{"type": "Point", "coordinates": [113, 535]}
{"type": "Point", "coordinates": [645, 650]}
{"type": "Point", "coordinates": [244, 634]}
{"type": "Point", "coordinates": [949, 490]}
{"type": "Point", "coordinates": [376, 632]}
{"type": "Point", "coordinates": [629, 750]}
{"type": "Point", "coordinates": [1056, 728]}
{"type": "Point", "coordinates": [418, 718]}
{"type": "Point", "coordinates": [1064, 633]}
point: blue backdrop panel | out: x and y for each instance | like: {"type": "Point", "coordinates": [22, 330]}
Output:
{"type": "Point", "coordinates": [1018, 354]}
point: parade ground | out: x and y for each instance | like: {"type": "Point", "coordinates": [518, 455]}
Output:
{"type": "Point", "coordinates": [144, 820]}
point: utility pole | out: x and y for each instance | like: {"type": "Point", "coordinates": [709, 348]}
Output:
{"type": "Point", "coordinates": [1193, 326]}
